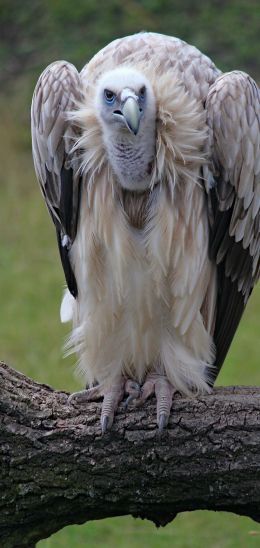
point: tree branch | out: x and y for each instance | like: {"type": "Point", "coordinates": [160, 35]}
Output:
{"type": "Point", "coordinates": [56, 469]}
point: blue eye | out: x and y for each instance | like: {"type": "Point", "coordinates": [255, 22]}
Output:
{"type": "Point", "coordinates": [142, 93]}
{"type": "Point", "coordinates": [109, 96]}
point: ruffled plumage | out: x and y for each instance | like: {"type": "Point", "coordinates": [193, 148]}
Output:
{"type": "Point", "coordinates": [161, 278]}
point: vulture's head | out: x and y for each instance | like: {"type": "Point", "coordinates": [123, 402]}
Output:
{"type": "Point", "coordinates": [126, 108]}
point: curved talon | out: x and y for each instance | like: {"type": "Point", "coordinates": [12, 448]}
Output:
{"type": "Point", "coordinates": [128, 400]}
{"type": "Point", "coordinates": [71, 397]}
{"type": "Point", "coordinates": [78, 397]}
{"type": "Point", "coordinates": [164, 392]}
{"type": "Point", "coordinates": [162, 421]}
{"type": "Point", "coordinates": [104, 424]}
{"type": "Point", "coordinates": [158, 384]}
{"type": "Point", "coordinates": [90, 394]}
{"type": "Point", "coordinates": [134, 390]}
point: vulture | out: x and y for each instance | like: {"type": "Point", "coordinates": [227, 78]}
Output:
{"type": "Point", "coordinates": [149, 163]}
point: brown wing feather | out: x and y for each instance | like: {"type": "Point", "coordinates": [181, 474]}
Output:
{"type": "Point", "coordinates": [57, 92]}
{"type": "Point", "coordinates": [233, 114]}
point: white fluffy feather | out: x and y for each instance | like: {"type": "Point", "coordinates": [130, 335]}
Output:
{"type": "Point", "coordinates": [141, 292]}
{"type": "Point", "coordinates": [66, 309]}
{"type": "Point", "coordinates": [135, 240]}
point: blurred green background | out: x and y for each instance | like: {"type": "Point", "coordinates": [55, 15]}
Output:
{"type": "Point", "coordinates": [33, 34]}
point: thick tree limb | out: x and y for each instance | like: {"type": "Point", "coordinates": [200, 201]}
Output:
{"type": "Point", "coordinates": [56, 469]}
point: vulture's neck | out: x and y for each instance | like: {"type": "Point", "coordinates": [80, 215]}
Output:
{"type": "Point", "coordinates": [131, 158]}
{"type": "Point", "coordinates": [136, 206]}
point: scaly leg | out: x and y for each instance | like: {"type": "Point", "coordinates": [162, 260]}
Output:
{"type": "Point", "coordinates": [112, 396]}
{"type": "Point", "coordinates": [160, 386]}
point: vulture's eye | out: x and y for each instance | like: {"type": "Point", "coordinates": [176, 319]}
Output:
{"type": "Point", "coordinates": [109, 96]}
{"type": "Point", "coordinates": [142, 93]}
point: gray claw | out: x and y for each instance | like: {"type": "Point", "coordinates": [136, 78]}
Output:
{"type": "Point", "coordinates": [162, 421]}
{"type": "Point", "coordinates": [104, 424]}
{"type": "Point", "coordinates": [134, 391]}
{"type": "Point", "coordinates": [128, 400]}
{"type": "Point", "coordinates": [73, 399]}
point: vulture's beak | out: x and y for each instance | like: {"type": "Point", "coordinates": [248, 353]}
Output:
{"type": "Point", "coordinates": [132, 114]}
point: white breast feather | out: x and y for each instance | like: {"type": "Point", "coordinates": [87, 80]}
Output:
{"type": "Point", "coordinates": [141, 292]}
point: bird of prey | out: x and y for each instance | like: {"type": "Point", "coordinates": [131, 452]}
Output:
{"type": "Point", "coordinates": [149, 163]}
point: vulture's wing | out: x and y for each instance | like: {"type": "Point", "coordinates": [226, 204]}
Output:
{"type": "Point", "coordinates": [233, 113]}
{"type": "Point", "coordinates": [57, 92]}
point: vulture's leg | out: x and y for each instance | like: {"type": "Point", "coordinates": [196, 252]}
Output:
{"type": "Point", "coordinates": [160, 386]}
{"type": "Point", "coordinates": [112, 395]}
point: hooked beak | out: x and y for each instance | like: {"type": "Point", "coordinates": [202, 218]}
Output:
{"type": "Point", "coordinates": [132, 114]}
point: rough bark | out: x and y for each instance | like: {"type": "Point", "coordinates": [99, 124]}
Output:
{"type": "Point", "coordinates": [56, 469]}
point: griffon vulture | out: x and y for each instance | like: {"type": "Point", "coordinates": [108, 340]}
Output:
{"type": "Point", "coordinates": [149, 163]}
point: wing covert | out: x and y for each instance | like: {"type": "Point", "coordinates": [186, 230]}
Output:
{"type": "Point", "coordinates": [58, 91]}
{"type": "Point", "coordinates": [233, 116]}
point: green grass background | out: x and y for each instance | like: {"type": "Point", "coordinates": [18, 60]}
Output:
{"type": "Point", "coordinates": [31, 277]}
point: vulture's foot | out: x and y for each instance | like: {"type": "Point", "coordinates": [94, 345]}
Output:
{"type": "Point", "coordinates": [163, 390]}
{"type": "Point", "coordinates": [112, 396]}
{"type": "Point", "coordinates": [133, 389]}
